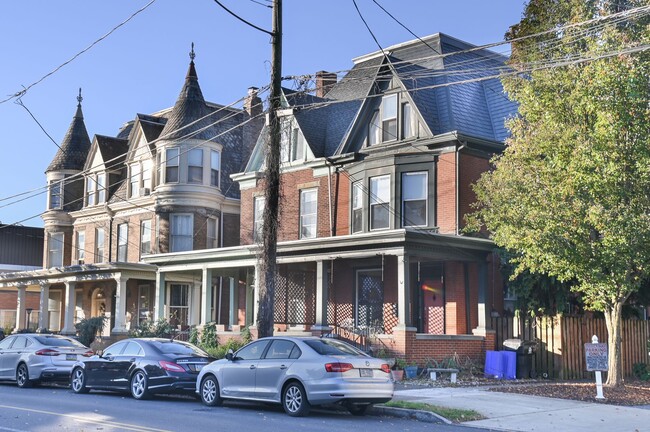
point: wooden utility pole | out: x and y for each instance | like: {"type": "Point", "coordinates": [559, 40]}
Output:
{"type": "Point", "coordinates": [268, 264]}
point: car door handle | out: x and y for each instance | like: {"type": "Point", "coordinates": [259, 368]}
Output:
{"type": "Point", "coordinates": [283, 367]}
{"type": "Point", "coordinates": [132, 359]}
{"type": "Point", "coordinates": [252, 367]}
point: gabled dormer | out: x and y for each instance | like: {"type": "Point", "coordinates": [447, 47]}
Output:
{"type": "Point", "coordinates": [104, 169]}
{"type": "Point", "coordinates": [140, 160]}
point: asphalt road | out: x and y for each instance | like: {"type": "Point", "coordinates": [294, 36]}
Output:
{"type": "Point", "coordinates": [52, 408]}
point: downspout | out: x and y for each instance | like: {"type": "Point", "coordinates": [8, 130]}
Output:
{"type": "Point", "coordinates": [329, 194]}
{"type": "Point", "coordinates": [458, 149]}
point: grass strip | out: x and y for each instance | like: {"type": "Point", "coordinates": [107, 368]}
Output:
{"type": "Point", "coordinates": [453, 414]}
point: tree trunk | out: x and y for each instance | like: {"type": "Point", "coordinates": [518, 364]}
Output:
{"type": "Point", "coordinates": [614, 326]}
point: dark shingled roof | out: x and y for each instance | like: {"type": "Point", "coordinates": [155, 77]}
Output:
{"type": "Point", "coordinates": [113, 150]}
{"type": "Point", "coordinates": [189, 107]}
{"type": "Point", "coordinates": [74, 147]}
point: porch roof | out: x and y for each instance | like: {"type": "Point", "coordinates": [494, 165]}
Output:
{"type": "Point", "coordinates": [418, 244]}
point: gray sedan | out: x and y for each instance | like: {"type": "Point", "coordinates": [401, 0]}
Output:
{"type": "Point", "coordinates": [30, 358]}
{"type": "Point", "coordinates": [298, 373]}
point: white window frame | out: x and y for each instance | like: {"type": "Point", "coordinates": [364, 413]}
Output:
{"type": "Point", "coordinates": [308, 221]}
{"type": "Point", "coordinates": [80, 243]}
{"type": "Point", "coordinates": [406, 198]}
{"type": "Point", "coordinates": [193, 167]}
{"type": "Point", "coordinates": [408, 131]}
{"type": "Point", "coordinates": [374, 129]}
{"type": "Point", "coordinates": [91, 190]}
{"type": "Point", "coordinates": [378, 201]}
{"type": "Point", "coordinates": [100, 245]}
{"type": "Point", "coordinates": [172, 162]}
{"type": "Point", "coordinates": [56, 195]}
{"type": "Point", "coordinates": [180, 311]}
{"type": "Point", "coordinates": [55, 249]}
{"type": "Point", "coordinates": [212, 232]}
{"type": "Point", "coordinates": [177, 240]}
{"type": "Point", "coordinates": [145, 237]}
{"type": "Point", "coordinates": [123, 242]}
{"type": "Point", "coordinates": [259, 203]}
{"type": "Point", "coordinates": [215, 168]}
{"type": "Point", "coordinates": [135, 178]}
{"type": "Point", "coordinates": [357, 206]}
{"type": "Point", "coordinates": [389, 103]}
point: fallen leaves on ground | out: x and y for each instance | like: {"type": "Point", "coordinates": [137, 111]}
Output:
{"type": "Point", "coordinates": [632, 393]}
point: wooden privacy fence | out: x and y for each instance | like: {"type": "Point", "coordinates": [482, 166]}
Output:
{"type": "Point", "coordinates": [560, 352]}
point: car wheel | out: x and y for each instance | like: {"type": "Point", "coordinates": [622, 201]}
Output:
{"type": "Point", "coordinates": [22, 376]}
{"type": "Point", "coordinates": [294, 400]}
{"type": "Point", "coordinates": [78, 381]}
{"type": "Point", "coordinates": [210, 391]}
{"type": "Point", "coordinates": [358, 409]}
{"type": "Point", "coordinates": [139, 386]}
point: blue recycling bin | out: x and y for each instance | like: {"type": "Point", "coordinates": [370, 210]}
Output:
{"type": "Point", "coordinates": [501, 364]}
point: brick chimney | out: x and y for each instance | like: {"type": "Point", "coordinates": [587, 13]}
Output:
{"type": "Point", "coordinates": [253, 103]}
{"type": "Point", "coordinates": [324, 82]}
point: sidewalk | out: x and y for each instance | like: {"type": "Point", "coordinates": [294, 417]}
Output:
{"type": "Point", "coordinates": [515, 412]}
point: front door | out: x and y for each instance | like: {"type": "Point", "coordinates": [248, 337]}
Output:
{"type": "Point", "coordinates": [369, 313]}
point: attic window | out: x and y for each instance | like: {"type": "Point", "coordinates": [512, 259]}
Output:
{"type": "Point", "coordinates": [389, 117]}
{"type": "Point", "coordinates": [392, 121]}
{"type": "Point", "coordinates": [291, 143]}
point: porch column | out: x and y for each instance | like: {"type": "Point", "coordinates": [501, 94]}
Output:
{"type": "Point", "coordinates": [322, 295]}
{"type": "Point", "coordinates": [484, 318]}
{"type": "Point", "coordinates": [159, 306]}
{"type": "Point", "coordinates": [120, 305]}
{"type": "Point", "coordinates": [256, 292]}
{"type": "Point", "coordinates": [68, 320]}
{"type": "Point", "coordinates": [44, 308]}
{"type": "Point", "coordinates": [206, 296]}
{"type": "Point", "coordinates": [195, 304]}
{"type": "Point", "coordinates": [20, 308]}
{"type": "Point", "coordinates": [403, 290]}
{"type": "Point", "coordinates": [234, 302]}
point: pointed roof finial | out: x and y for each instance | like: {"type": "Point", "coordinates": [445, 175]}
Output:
{"type": "Point", "coordinates": [192, 55]}
{"type": "Point", "coordinates": [79, 98]}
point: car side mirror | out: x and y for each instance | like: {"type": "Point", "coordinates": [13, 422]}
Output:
{"type": "Point", "coordinates": [230, 355]}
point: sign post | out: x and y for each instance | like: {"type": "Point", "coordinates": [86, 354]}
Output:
{"type": "Point", "coordinates": [596, 358]}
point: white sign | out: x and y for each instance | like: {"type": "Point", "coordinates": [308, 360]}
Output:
{"type": "Point", "coordinates": [596, 356]}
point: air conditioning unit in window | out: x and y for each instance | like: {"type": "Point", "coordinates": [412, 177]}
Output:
{"type": "Point", "coordinates": [80, 262]}
{"type": "Point", "coordinates": [145, 191]}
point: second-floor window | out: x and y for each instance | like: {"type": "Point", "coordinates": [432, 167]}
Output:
{"type": "Point", "coordinates": [308, 217]}
{"type": "Point", "coordinates": [90, 190]}
{"type": "Point", "coordinates": [195, 166]}
{"type": "Point", "coordinates": [145, 237]}
{"type": "Point", "coordinates": [357, 207]}
{"type": "Point", "coordinates": [81, 246]}
{"type": "Point", "coordinates": [379, 202]}
{"type": "Point", "coordinates": [181, 232]}
{"type": "Point", "coordinates": [99, 245]}
{"type": "Point", "coordinates": [213, 232]}
{"type": "Point", "coordinates": [56, 195]}
{"type": "Point", "coordinates": [134, 180]}
{"type": "Point", "coordinates": [414, 198]}
{"type": "Point", "coordinates": [258, 216]}
{"type": "Point", "coordinates": [122, 242]}
{"type": "Point", "coordinates": [55, 250]}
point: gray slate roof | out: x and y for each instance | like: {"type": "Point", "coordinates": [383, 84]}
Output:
{"type": "Point", "coordinates": [74, 147]}
{"type": "Point", "coordinates": [113, 150]}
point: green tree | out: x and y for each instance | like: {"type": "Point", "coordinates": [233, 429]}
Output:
{"type": "Point", "coordinates": [570, 195]}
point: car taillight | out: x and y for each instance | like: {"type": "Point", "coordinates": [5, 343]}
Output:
{"type": "Point", "coordinates": [338, 367]}
{"type": "Point", "coordinates": [385, 368]}
{"type": "Point", "coordinates": [47, 352]}
{"type": "Point", "coordinates": [88, 353]}
{"type": "Point", "coordinates": [171, 366]}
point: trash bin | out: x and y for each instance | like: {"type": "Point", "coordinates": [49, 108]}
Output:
{"type": "Point", "coordinates": [525, 351]}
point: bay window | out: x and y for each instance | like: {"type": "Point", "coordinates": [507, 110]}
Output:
{"type": "Point", "coordinates": [195, 166]}
{"type": "Point", "coordinates": [379, 202]}
{"type": "Point", "coordinates": [181, 232]}
{"type": "Point", "coordinates": [414, 198]}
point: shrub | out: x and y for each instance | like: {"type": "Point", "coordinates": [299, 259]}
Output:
{"type": "Point", "coordinates": [160, 328]}
{"type": "Point", "coordinates": [641, 371]}
{"type": "Point", "coordinates": [88, 328]}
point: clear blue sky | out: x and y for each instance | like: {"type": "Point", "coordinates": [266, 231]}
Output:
{"type": "Point", "coordinates": [140, 68]}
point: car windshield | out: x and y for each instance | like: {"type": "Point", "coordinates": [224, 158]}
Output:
{"type": "Point", "coordinates": [333, 347]}
{"type": "Point", "coordinates": [58, 342]}
{"type": "Point", "coordinates": [178, 348]}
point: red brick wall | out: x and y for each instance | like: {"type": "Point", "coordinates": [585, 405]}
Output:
{"type": "Point", "coordinates": [341, 200]}
{"type": "Point", "coordinates": [8, 299]}
{"type": "Point", "coordinates": [471, 168]}
{"type": "Point", "coordinates": [446, 193]}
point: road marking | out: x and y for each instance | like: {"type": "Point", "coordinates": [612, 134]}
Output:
{"type": "Point", "coordinates": [84, 420]}
{"type": "Point", "coordinates": [2, 428]}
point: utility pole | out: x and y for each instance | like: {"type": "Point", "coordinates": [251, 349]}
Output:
{"type": "Point", "coordinates": [268, 264]}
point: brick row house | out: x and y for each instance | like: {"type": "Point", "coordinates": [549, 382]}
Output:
{"type": "Point", "coordinates": [376, 180]}
{"type": "Point", "coordinates": [161, 185]}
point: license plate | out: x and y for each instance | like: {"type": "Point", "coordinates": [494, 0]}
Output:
{"type": "Point", "coordinates": [366, 373]}
{"type": "Point", "coordinates": [71, 357]}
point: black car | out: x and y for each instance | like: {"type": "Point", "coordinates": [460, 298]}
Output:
{"type": "Point", "coordinates": [142, 366]}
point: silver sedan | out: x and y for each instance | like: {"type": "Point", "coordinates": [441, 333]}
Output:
{"type": "Point", "coordinates": [298, 373]}
{"type": "Point", "coordinates": [29, 358]}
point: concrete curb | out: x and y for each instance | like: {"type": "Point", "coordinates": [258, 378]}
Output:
{"type": "Point", "coordinates": [423, 416]}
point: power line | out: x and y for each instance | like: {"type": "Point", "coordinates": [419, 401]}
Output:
{"type": "Point", "coordinates": [242, 19]}
{"type": "Point", "coordinates": [22, 92]}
